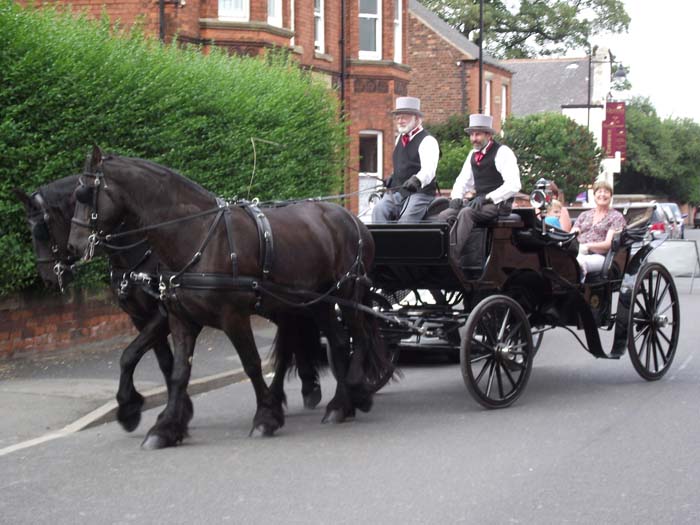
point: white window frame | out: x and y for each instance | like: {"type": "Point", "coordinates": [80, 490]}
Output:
{"type": "Point", "coordinates": [504, 102]}
{"type": "Point", "coordinates": [398, 31]}
{"type": "Point", "coordinates": [487, 98]}
{"type": "Point", "coordinates": [377, 53]}
{"type": "Point", "coordinates": [368, 180]}
{"type": "Point", "coordinates": [320, 27]}
{"type": "Point", "coordinates": [229, 11]}
{"type": "Point", "coordinates": [292, 24]}
{"type": "Point", "coordinates": [276, 18]}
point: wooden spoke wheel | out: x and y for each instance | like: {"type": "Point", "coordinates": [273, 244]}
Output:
{"type": "Point", "coordinates": [497, 352]}
{"type": "Point", "coordinates": [654, 322]}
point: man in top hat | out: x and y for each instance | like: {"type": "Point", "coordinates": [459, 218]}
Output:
{"type": "Point", "coordinates": [485, 187]}
{"type": "Point", "coordinates": [411, 188]}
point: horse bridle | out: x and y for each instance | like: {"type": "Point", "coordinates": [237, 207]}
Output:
{"type": "Point", "coordinates": [61, 262]}
{"type": "Point", "coordinates": [91, 224]}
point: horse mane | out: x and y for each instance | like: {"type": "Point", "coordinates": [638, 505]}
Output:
{"type": "Point", "coordinates": [154, 169]}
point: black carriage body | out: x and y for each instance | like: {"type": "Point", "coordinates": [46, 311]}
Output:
{"type": "Point", "coordinates": [492, 303]}
{"type": "Point", "coordinates": [511, 256]}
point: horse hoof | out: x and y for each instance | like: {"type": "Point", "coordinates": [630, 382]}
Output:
{"type": "Point", "coordinates": [262, 430]}
{"type": "Point", "coordinates": [337, 416]}
{"type": "Point", "coordinates": [129, 419]}
{"type": "Point", "coordinates": [154, 442]}
{"type": "Point", "coordinates": [312, 400]}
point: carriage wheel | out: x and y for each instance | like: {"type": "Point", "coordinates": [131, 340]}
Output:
{"type": "Point", "coordinates": [497, 351]}
{"type": "Point", "coordinates": [654, 322]}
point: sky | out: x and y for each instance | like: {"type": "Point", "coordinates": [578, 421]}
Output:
{"type": "Point", "coordinates": [661, 51]}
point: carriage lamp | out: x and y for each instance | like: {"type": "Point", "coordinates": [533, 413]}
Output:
{"type": "Point", "coordinates": [541, 196]}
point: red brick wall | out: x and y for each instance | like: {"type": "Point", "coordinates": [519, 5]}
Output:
{"type": "Point", "coordinates": [437, 78]}
{"type": "Point", "coordinates": [43, 323]}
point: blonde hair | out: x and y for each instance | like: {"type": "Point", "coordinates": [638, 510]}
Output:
{"type": "Point", "coordinates": [602, 184]}
{"type": "Point", "coordinates": [555, 204]}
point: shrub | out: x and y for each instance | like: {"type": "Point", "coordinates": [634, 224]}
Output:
{"type": "Point", "coordinates": [82, 82]}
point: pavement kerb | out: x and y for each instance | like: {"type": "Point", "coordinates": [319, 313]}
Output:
{"type": "Point", "coordinates": [152, 398]}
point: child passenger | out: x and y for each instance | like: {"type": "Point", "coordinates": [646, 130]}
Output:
{"type": "Point", "coordinates": [553, 214]}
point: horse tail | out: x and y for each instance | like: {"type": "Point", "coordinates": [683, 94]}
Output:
{"type": "Point", "coordinates": [297, 346]}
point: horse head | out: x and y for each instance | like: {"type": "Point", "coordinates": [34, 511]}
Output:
{"type": "Point", "coordinates": [96, 210]}
{"type": "Point", "coordinates": [48, 211]}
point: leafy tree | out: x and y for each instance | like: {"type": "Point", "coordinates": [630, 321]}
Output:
{"type": "Point", "coordinates": [553, 146]}
{"type": "Point", "coordinates": [533, 27]}
{"type": "Point", "coordinates": [662, 155]}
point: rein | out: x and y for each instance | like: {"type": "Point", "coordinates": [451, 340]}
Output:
{"type": "Point", "coordinates": [222, 210]}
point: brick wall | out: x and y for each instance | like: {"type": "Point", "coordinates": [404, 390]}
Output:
{"type": "Point", "coordinates": [446, 79]}
{"type": "Point", "coordinates": [40, 322]}
{"type": "Point", "coordinates": [371, 86]}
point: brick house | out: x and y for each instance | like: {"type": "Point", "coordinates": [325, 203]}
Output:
{"type": "Point", "coordinates": [358, 47]}
{"type": "Point", "coordinates": [445, 71]}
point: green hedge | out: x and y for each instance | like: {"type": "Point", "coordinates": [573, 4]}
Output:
{"type": "Point", "coordinates": [67, 82]}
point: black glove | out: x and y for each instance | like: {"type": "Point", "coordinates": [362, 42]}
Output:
{"type": "Point", "coordinates": [476, 202]}
{"type": "Point", "coordinates": [456, 204]}
{"type": "Point", "coordinates": [413, 184]}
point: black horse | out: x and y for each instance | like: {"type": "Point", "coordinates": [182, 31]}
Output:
{"type": "Point", "coordinates": [133, 276]}
{"type": "Point", "coordinates": [227, 270]}
{"type": "Point", "coordinates": [49, 211]}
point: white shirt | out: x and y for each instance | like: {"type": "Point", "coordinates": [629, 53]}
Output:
{"type": "Point", "coordinates": [429, 154]}
{"type": "Point", "coordinates": [507, 166]}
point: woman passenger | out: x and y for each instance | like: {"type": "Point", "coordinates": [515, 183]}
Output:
{"type": "Point", "coordinates": [596, 229]}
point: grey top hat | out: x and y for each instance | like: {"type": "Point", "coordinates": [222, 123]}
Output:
{"type": "Point", "coordinates": [478, 122]}
{"type": "Point", "coordinates": [408, 105]}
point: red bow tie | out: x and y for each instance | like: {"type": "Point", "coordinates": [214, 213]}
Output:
{"type": "Point", "coordinates": [478, 156]}
{"type": "Point", "coordinates": [404, 140]}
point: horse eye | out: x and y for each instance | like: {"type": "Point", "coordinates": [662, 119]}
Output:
{"type": "Point", "coordinates": [84, 194]}
{"type": "Point", "coordinates": [40, 232]}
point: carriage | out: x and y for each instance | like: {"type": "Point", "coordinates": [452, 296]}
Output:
{"type": "Point", "coordinates": [492, 304]}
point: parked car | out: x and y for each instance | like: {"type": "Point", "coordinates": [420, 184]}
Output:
{"type": "Point", "coordinates": [677, 217]}
{"type": "Point", "coordinates": [661, 223]}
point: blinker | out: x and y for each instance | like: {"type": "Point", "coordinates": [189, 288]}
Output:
{"type": "Point", "coordinates": [40, 232]}
{"type": "Point", "coordinates": [84, 194]}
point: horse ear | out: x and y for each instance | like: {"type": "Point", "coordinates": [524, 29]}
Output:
{"type": "Point", "coordinates": [96, 157]}
{"type": "Point", "coordinates": [22, 197]}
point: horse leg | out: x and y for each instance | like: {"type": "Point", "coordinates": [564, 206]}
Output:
{"type": "Point", "coordinates": [308, 355]}
{"type": "Point", "coordinates": [340, 408]}
{"type": "Point", "coordinates": [128, 398]}
{"type": "Point", "coordinates": [164, 356]}
{"type": "Point", "coordinates": [269, 415]}
{"type": "Point", "coordinates": [171, 426]}
{"type": "Point", "coordinates": [282, 360]}
{"type": "Point", "coordinates": [297, 342]}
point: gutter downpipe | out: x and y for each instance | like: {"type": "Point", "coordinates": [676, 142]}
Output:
{"type": "Point", "coordinates": [481, 61]}
{"type": "Point", "coordinates": [161, 20]}
{"type": "Point", "coordinates": [343, 73]}
{"type": "Point", "coordinates": [342, 59]}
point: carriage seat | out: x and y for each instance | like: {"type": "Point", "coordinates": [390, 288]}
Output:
{"type": "Point", "coordinates": [440, 204]}
{"type": "Point", "coordinates": [437, 206]}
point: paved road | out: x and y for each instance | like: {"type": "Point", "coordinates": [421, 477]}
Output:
{"type": "Point", "coordinates": [41, 393]}
{"type": "Point", "coordinates": [589, 442]}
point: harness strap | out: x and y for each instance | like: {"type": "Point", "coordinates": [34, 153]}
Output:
{"type": "Point", "coordinates": [198, 254]}
{"type": "Point", "coordinates": [265, 237]}
{"type": "Point", "coordinates": [229, 234]}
